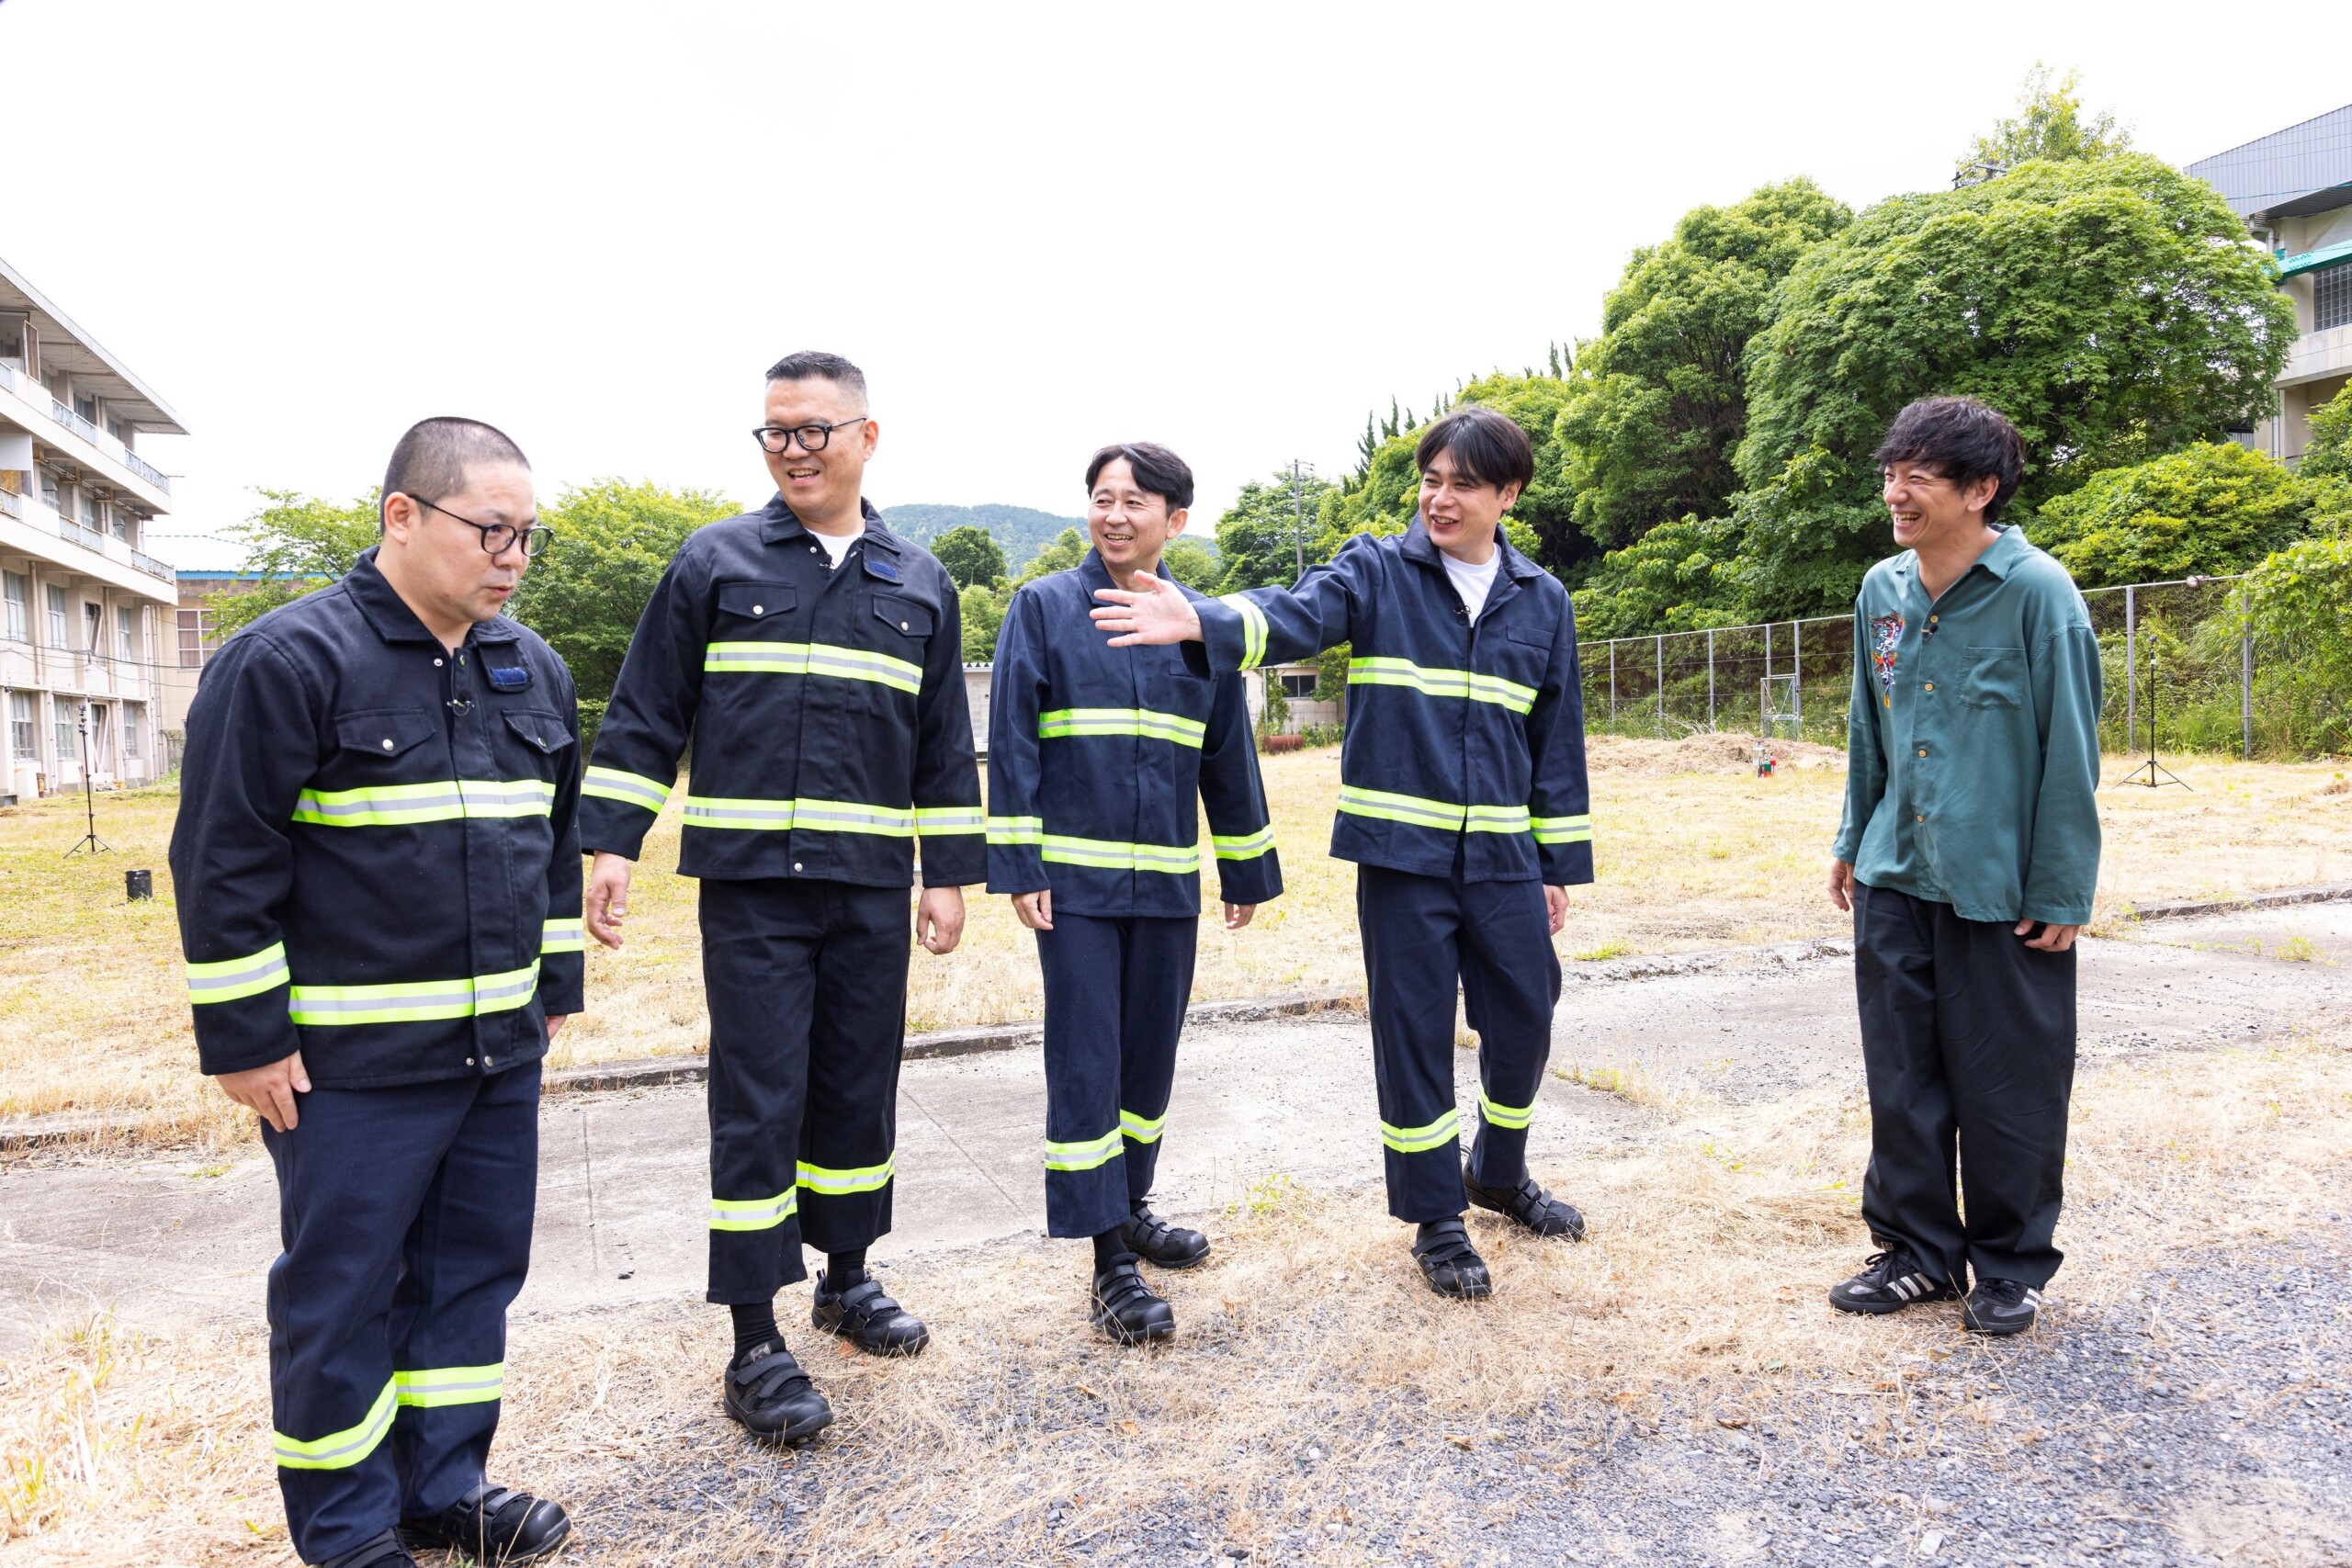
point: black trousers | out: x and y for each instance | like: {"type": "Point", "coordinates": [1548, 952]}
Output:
{"type": "Point", "coordinates": [1968, 1038]}
{"type": "Point", "coordinates": [807, 983]}
{"type": "Point", "coordinates": [1116, 991]}
{"type": "Point", "coordinates": [405, 1216]}
{"type": "Point", "coordinates": [1427, 939]}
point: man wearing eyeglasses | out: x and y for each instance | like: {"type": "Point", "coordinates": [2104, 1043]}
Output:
{"type": "Point", "coordinates": [814, 659]}
{"type": "Point", "coordinates": [379, 884]}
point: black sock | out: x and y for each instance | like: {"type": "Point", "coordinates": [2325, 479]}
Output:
{"type": "Point", "coordinates": [755, 1327]}
{"type": "Point", "coordinates": [843, 1269]}
{"type": "Point", "coordinates": [1111, 1247]}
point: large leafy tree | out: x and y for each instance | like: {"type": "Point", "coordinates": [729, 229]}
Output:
{"type": "Point", "coordinates": [1661, 402]}
{"type": "Point", "coordinates": [1257, 539]}
{"type": "Point", "coordinates": [2050, 123]}
{"type": "Point", "coordinates": [970, 555]}
{"type": "Point", "coordinates": [2212, 508]}
{"type": "Point", "coordinates": [294, 543]}
{"type": "Point", "coordinates": [1385, 492]}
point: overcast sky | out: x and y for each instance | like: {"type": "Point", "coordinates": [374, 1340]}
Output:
{"type": "Point", "coordinates": [1231, 228]}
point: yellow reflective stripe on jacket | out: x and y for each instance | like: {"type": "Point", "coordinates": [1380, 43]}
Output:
{"type": "Point", "coordinates": [233, 977]}
{"type": "Point", "coordinates": [1243, 846]}
{"type": "Point", "coordinates": [563, 936]}
{"type": "Point", "coordinates": [414, 1001]}
{"type": "Point", "coordinates": [1564, 829]}
{"type": "Point", "coordinates": [1389, 807]}
{"type": "Point", "coordinates": [1497, 819]}
{"type": "Point", "coordinates": [339, 1450]}
{"type": "Point", "coordinates": [1110, 855]}
{"type": "Point", "coordinates": [948, 820]}
{"type": "Point", "coordinates": [833, 1183]}
{"type": "Point", "coordinates": [1429, 683]}
{"type": "Point", "coordinates": [449, 800]}
{"type": "Point", "coordinates": [1169, 727]}
{"type": "Point", "coordinates": [754, 1214]}
{"type": "Point", "coordinates": [1085, 1156]}
{"type": "Point", "coordinates": [810, 816]}
{"type": "Point", "coordinates": [429, 1388]}
{"type": "Point", "coordinates": [1016, 830]}
{"type": "Point", "coordinates": [1253, 628]}
{"type": "Point", "coordinates": [1510, 1118]}
{"type": "Point", "coordinates": [1142, 1129]}
{"type": "Point", "coordinates": [633, 789]}
{"type": "Point", "coordinates": [1418, 1140]}
{"type": "Point", "coordinates": [811, 658]}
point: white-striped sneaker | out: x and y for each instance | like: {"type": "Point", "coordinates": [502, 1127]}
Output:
{"type": "Point", "coordinates": [2001, 1306]}
{"type": "Point", "coordinates": [1894, 1280]}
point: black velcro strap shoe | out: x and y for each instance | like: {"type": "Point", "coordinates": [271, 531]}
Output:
{"type": "Point", "coordinates": [868, 1319]}
{"type": "Point", "coordinates": [2001, 1306]}
{"type": "Point", "coordinates": [1529, 1205]}
{"type": "Point", "coordinates": [1156, 1241]}
{"type": "Point", "coordinates": [385, 1550]}
{"type": "Point", "coordinates": [1128, 1310]}
{"type": "Point", "coordinates": [1891, 1280]}
{"type": "Point", "coordinates": [1450, 1263]}
{"type": "Point", "coordinates": [494, 1525]}
{"type": "Point", "coordinates": [768, 1393]}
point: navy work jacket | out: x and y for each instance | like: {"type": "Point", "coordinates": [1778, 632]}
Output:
{"type": "Point", "coordinates": [825, 707]}
{"type": "Point", "coordinates": [375, 860]}
{"type": "Point", "coordinates": [1464, 741]}
{"type": "Point", "coordinates": [1097, 756]}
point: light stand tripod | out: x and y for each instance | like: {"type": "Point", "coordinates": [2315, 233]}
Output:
{"type": "Point", "coordinates": [2153, 773]}
{"type": "Point", "coordinates": [89, 841]}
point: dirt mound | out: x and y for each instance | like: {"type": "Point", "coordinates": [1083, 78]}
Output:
{"type": "Point", "coordinates": [1703, 753]}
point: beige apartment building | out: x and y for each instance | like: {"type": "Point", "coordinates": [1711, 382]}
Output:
{"type": "Point", "coordinates": [82, 605]}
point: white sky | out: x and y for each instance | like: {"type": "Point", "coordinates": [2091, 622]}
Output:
{"type": "Point", "coordinates": [1232, 229]}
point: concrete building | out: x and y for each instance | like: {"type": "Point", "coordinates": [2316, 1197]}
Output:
{"type": "Point", "coordinates": [2293, 188]}
{"type": "Point", "coordinates": [81, 600]}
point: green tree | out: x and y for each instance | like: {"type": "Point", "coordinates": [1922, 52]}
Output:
{"type": "Point", "coordinates": [970, 555]}
{"type": "Point", "coordinates": [294, 543]}
{"type": "Point", "coordinates": [2050, 123]}
{"type": "Point", "coordinates": [1386, 492]}
{"type": "Point", "coordinates": [2210, 509]}
{"type": "Point", "coordinates": [1192, 563]}
{"type": "Point", "coordinates": [1661, 398]}
{"type": "Point", "coordinates": [1256, 538]}
{"type": "Point", "coordinates": [2110, 307]}
{"type": "Point", "coordinates": [1068, 549]}
{"type": "Point", "coordinates": [1679, 576]}
{"type": "Point", "coordinates": [982, 606]}
{"type": "Point", "coordinates": [2328, 453]}
{"type": "Point", "coordinates": [2302, 599]}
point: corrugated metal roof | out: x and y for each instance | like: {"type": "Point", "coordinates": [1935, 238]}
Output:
{"type": "Point", "coordinates": [2288, 172]}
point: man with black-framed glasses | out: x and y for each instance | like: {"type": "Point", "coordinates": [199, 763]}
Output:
{"type": "Point", "coordinates": [814, 659]}
{"type": "Point", "coordinates": [379, 884]}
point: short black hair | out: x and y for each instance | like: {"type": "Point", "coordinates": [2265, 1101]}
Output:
{"type": "Point", "coordinates": [1961, 439]}
{"type": "Point", "coordinates": [813, 363]}
{"type": "Point", "coordinates": [1488, 447]}
{"type": "Point", "coordinates": [429, 463]}
{"type": "Point", "coordinates": [1158, 471]}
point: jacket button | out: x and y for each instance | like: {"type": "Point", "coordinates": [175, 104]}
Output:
{"type": "Point", "coordinates": [759, 609]}
{"type": "Point", "coordinates": [795, 866]}
{"type": "Point", "coordinates": [1922, 816]}
{"type": "Point", "coordinates": [470, 1061]}
{"type": "Point", "coordinates": [903, 626]}
{"type": "Point", "coordinates": [1930, 686]}
{"type": "Point", "coordinates": [485, 1061]}
{"type": "Point", "coordinates": [436, 664]}
{"type": "Point", "coordinates": [388, 742]}
{"type": "Point", "coordinates": [1923, 750]}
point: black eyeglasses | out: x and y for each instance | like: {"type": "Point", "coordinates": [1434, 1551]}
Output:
{"type": "Point", "coordinates": [812, 438]}
{"type": "Point", "coordinates": [497, 536]}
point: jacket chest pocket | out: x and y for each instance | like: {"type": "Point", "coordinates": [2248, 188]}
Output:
{"type": "Point", "coordinates": [1995, 678]}
{"type": "Point", "coordinates": [382, 743]}
{"type": "Point", "coordinates": [904, 621]}
{"type": "Point", "coordinates": [754, 612]}
{"type": "Point", "coordinates": [1520, 656]}
{"type": "Point", "coordinates": [533, 744]}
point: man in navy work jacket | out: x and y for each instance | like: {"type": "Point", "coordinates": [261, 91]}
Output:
{"type": "Point", "coordinates": [814, 658]}
{"type": "Point", "coordinates": [1969, 856]}
{"type": "Point", "coordinates": [1462, 801]}
{"type": "Point", "coordinates": [1097, 757]}
{"type": "Point", "coordinates": [379, 886]}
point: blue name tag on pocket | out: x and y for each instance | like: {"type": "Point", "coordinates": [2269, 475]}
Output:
{"type": "Point", "coordinates": [884, 569]}
{"type": "Point", "coordinates": [513, 680]}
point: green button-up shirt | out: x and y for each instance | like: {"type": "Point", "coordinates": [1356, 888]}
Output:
{"type": "Point", "coordinates": [1973, 741]}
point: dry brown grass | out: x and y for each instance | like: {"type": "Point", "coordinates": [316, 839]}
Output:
{"type": "Point", "coordinates": [1692, 851]}
{"type": "Point", "coordinates": [1312, 1366]}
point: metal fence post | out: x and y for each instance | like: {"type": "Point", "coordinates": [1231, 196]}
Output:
{"type": "Point", "coordinates": [1710, 679]}
{"type": "Point", "coordinates": [1796, 687]}
{"type": "Point", "coordinates": [1661, 686]}
{"type": "Point", "coordinates": [1764, 688]}
{"type": "Point", "coordinates": [1612, 680]}
{"type": "Point", "coordinates": [2130, 667]}
{"type": "Point", "coordinates": [2245, 667]}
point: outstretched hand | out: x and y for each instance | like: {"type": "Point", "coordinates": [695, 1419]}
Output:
{"type": "Point", "coordinates": [1158, 613]}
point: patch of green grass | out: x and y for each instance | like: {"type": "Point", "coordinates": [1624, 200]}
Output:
{"type": "Point", "coordinates": [1605, 950]}
{"type": "Point", "coordinates": [2296, 950]}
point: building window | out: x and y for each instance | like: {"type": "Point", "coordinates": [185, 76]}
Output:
{"type": "Point", "coordinates": [86, 407]}
{"type": "Point", "coordinates": [125, 633]}
{"type": "Point", "coordinates": [130, 732]}
{"type": "Point", "coordinates": [1297, 687]}
{"type": "Point", "coordinates": [20, 728]}
{"type": "Point", "coordinates": [196, 638]}
{"type": "Point", "coordinates": [13, 589]}
{"type": "Point", "coordinates": [2331, 297]}
{"type": "Point", "coordinates": [69, 744]}
{"type": "Point", "coordinates": [94, 619]}
{"type": "Point", "coordinates": [57, 637]}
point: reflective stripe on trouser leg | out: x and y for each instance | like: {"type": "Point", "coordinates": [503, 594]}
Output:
{"type": "Point", "coordinates": [1116, 991]}
{"type": "Point", "coordinates": [1412, 928]}
{"type": "Point", "coordinates": [405, 1216]}
{"type": "Point", "coordinates": [1510, 984]}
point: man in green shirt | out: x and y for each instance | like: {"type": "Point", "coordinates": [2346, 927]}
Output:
{"type": "Point", "coordinates": [1968, 855]}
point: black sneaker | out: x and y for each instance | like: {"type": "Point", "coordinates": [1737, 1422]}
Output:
{"type": "Point", "coordinates": [768, 1393]}
{"type": "Point", "coordinates": [385, 1550]}
{"type": "Point", "coordinates": [2001, 1306]}
{"type": "Point", "coordinates": [1892, 1280]}
{"type": "Point", "coordinates": [1128, 1310]}
{"type": "Point", "coordinates": [868, 1319]}
{"type": "Point", "coordinates": [494, 1525]}
{"type": "Point", "coordinates": [1450, 1263]}
{"type": "Point", "coordinates": [1529, 1205]}
{"type": "Point", "coordinates": [1156, 1241]}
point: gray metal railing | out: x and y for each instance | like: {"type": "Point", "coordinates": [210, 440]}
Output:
{"type": "Point", "coordinates": [10, 504]}
{"type": "Point", "coordinates": [155, 568]}
{"type": "Point", "coordinates": [73, 421]}
{"type": "Point", "coordinates": [146, 470]}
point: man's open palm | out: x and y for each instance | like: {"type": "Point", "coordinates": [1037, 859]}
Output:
{"type": "Point", "coordinates": [1159, 613]}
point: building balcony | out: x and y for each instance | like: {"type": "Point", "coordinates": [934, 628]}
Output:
{"type": "Point", "coordinates": [29, 527]}
{"type": "Point", "coordinates": [2314, 356]}
{"type": "Point", "coordinates": [28, 403]}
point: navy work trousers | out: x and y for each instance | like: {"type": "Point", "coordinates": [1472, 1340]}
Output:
{"type": "Point", "coordinates": [1116, 991]}
{"type": "Point", "coordinates": [1968, 1041]}
{"type": "Point", "coordinates": [405, 1217]}
{"type": "Point", "coordinates": [1427, 939]}
{"type": "Point", "coordinates": [807, 982]}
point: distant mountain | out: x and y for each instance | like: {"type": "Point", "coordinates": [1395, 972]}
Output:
{"type": "Point", "coordinates": [1019, 531]}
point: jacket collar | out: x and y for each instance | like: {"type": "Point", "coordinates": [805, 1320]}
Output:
{"type": "Point", "coordinates": [778, 522]}
{"type": "Point", "coordinates": [1417, 547]}
{"type": "Point", "coordinates": [390, 618]}
{"type": "Point", "coordinates": [1094, 574]}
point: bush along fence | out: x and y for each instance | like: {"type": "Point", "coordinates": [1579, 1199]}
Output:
{"type": "Point", "coordinates": [2193, 656]}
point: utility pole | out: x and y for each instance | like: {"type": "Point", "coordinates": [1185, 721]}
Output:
{"type": "Point", "coordinates": [1298, 513]}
